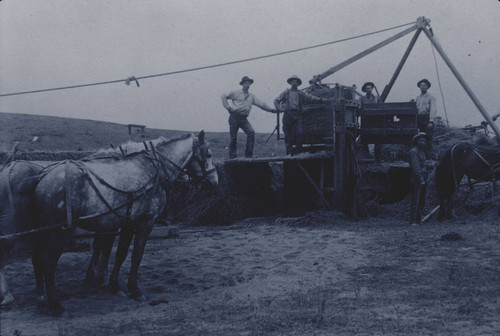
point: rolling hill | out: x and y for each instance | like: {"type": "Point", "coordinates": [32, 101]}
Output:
{"type": "Point", "coordinates": [36, 133]}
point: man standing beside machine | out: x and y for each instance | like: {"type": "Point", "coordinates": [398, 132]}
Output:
{"type": "Point", "coordinates": [291, 102]}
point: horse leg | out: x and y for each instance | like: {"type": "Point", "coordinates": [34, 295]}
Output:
{"type": "Point", "coordinates": [106, 243]}
{"type": "Point", "coordinates": [126, 234]}
{"type": "Point", "coordinates": [55, 249]}
{"type": "Point", "coordinates": [6, 296]}
{"type": "Point", "coordinates": [141, 238]}
{"type": "Point", "coordinates": [98, 265]}
{"type": "Point", "coordinates": [37, 259]}
{"type": "Point", "coordinates": [90, 279]}
{"type": "Point", "coordinates": [443, 208]}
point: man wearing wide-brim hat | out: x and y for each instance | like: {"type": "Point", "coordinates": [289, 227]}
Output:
{"type": "Point", "coordinates": [418, 177]}
{"type": "Point", "coordinates": [239, 109]}
{"type": "Point", "coordinates": [291, 102]}
{"type": "Point", "coordinates": [370, 98]}
{"type": "Point", "coordinates": [427, 110]}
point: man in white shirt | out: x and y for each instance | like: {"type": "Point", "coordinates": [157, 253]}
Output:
{"type": "Point", "coordinates": [426, 105]}
{"type": "Point", "coordinates": [239, 109]}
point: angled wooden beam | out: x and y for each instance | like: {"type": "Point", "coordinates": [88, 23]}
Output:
{"type": "Point", "coordinates": [389, 86]}
{"type": "Point", "coordinates": [320, 192]}
{"type": "Point", "coordinates": [462, 82]}
{"type": "Point", "coordinates": [362, 54]}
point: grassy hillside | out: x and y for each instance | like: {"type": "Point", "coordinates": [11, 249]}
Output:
{"type": "Point", "coordinates": [43, 133]}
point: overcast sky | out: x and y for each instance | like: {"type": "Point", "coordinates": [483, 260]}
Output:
{"type": "Point", "coordinates": [55, 43]}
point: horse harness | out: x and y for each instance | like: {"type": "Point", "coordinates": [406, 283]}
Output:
{"type": "Point", "coordinates": [160, 177]}
{"type": "Point", "coordinates": [483, 156]}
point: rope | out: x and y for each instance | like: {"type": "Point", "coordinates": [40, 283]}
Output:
{"type": "Point", "coordinates": [440, 88]}
{"type": "Point", "coordinates": [136, 79]}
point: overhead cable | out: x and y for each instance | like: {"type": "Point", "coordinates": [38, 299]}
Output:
{"type": "Point", "coordinates": [136, 79]}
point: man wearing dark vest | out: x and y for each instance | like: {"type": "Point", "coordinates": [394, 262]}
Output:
{"type": "Point", "coordinates": [291, 102]}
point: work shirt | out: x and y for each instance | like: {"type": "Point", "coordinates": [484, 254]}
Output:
{"type": "Point", "coordinates": [242, 102]}
{"type": "Point", "coordinates": [418, 163]}
{"type": "Point", "coordinates": [426, 104]}
{"type": "Point", "coordinates": [293, 100]}
{"type": "Point", "coordinates": [370, 99]}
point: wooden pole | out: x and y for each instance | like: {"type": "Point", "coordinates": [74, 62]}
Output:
{"type": "Point", "coordinates": [389, 86]}
{"type": "Point", "coordinates": [461, 80]}
{"type": "Point", "coordinates": [362, 54]}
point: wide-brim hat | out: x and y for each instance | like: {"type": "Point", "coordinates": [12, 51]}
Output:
{"type": "Point", "coordinates": [289, 80]}
{"type": "Point", "coordinates": [418, 136]}
{"type": "Point", "coordinates": [424, 81]}
{"type": "Point", "coordinates": [363, 88]}
{"type": "Point", "coordinates": [246, 79]}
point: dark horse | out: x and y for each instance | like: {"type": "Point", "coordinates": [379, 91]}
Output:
{"type": "Point", "coordinates": [104, 194]}
{"type": "Point", "coordinates": [479, 163]}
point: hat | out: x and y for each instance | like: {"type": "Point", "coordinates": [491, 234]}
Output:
{"type": "Point", "coordinates": [363, 88]}
{"type": "Point", "coordinates": [292, 78]}
{"type": "Point", "coordinates": [419, 135]}
{"type": "Point", "coordinates": [424, 81]}
{"type": "Point", "coordinates": [246, 79]}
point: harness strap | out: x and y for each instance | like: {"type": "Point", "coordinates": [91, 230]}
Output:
{"type": "Point", "coordinates": [67, 191]}
{"type": "Point", "coordinates": [9, 189]}
{"type": "Point", "coordinates": [87, 170]}
{"type": "Point", "coordinates": [132, 196]}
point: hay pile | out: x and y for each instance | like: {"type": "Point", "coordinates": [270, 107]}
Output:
{"type": "Point", "coordinates": [194, 204]}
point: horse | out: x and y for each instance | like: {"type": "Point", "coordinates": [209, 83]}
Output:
{"type": "Point", "coordinates": [481, 163]}
{"type": "Point", "coordinates": [18, 180]}
{"type": "Point", "coordinates": [103, 244]}
{"type": "Point", "coordinates": [104, 194]}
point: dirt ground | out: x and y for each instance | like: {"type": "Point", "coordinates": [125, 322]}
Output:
{"type": "Point", "coordinates": [321, 274]}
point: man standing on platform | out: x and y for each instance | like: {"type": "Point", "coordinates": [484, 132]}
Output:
{"type": "Point", "coordinates": [370, 98]}
{"type": "Point", "coordinates": [242, 101]}
{"type": "Point", "coordinates": [291, 102]}
{"type": "Point", "coordinates": [418, 177]}
{"type": "Point", "coordinates": [426, 106]}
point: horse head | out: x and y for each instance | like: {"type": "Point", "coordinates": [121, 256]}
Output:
{"type": "Point", "coordinates": [187, 156]}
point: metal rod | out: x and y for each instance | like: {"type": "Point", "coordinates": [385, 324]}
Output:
{"type": "Point", "coordinates": [278, 125]}
{"type": "Point", "coordinates": [461, 80]}
{"type": "Point", "coordinates": [389, 86]}
{"type": "Point", "coordinates": [362, 54]}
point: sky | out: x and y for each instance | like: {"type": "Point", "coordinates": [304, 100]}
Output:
{"type": "Point", "coordinates": [56, 43]}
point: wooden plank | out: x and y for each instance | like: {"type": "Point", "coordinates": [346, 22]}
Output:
{"type": "Point", "coordinates": [298, 157]}
{"type": "Point", "coordinates": [320, 192]}
{"type": "Point", "coordinates": [387, 131]}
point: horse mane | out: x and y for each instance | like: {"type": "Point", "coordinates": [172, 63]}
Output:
{"type": "Point", "coordinates": [131, 147]}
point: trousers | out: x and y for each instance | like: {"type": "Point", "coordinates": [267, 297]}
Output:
{"type": "Point", "coordinates": [417, 202]}
{"type": "Point", "coordinates": [235, 123]}
{"type": "Point", "coordinates": [293, 129]}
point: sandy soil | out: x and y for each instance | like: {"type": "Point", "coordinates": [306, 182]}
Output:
{"type": "Point", "coordinates": [320, 274]}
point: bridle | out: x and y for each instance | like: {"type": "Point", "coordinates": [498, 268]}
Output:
{"type": "Point", "coordinates": [198, 156]}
